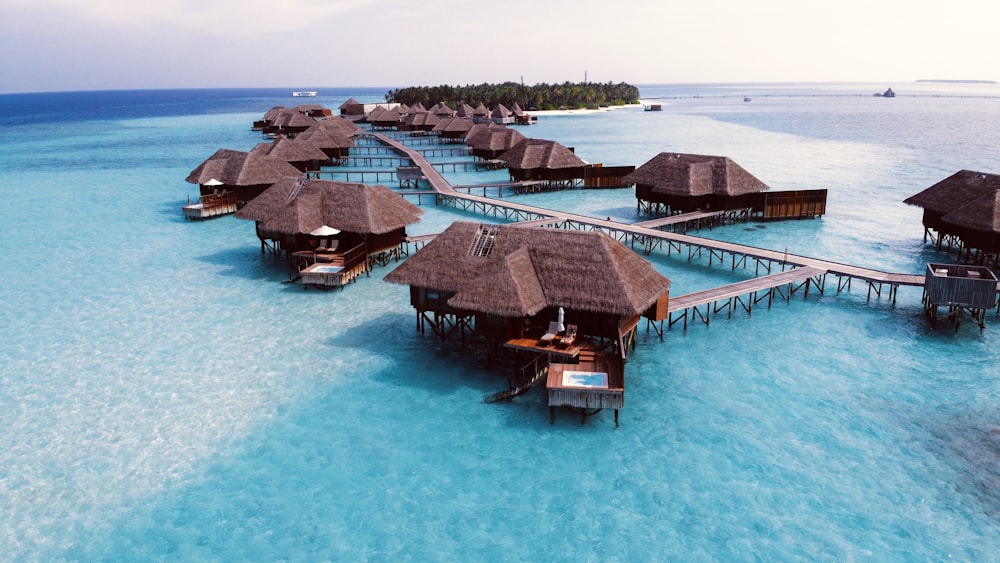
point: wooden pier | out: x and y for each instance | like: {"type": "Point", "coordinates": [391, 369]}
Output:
{"type": "Point", "coordinates": [648, 237]}
{"type": "Point", "coordinates": [744, 294]}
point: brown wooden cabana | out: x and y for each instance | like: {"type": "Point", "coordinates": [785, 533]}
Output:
{"type": "Point", "coordinates": [452, 129]}
{"type": "Point", "coordinates": [549, 161]}
{"type": "Point", "coordinates": [507, 283]}
{"type": "Point", "coordinates": [352, 107]}
{"type": "Point", "coordinates": [963, 211]}
{"type": "Point", "coordinates": [489, 140]}
{"type": "Point", "coordinates": [239, 173]}
{"type": "Point", "coordinates": [302, 155]}
{"type": "Point", "coordinates": [370, 221]}
{"type": "Point", "coordinates": [681, 183]}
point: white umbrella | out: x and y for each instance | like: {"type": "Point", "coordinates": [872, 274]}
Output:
{"type": "Point", "coordinates": [560, 319]}
{"type": "Point", "coordinates": [212, 182]}
{"type": "Point", "coordinates": [324, 231]}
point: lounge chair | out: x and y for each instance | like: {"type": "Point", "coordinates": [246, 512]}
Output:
{"type": "Point", "coordinates": [327, 246]}
{"type": "Point", "coordinates": [570, 337]}
{"type": "Point", "coordinates": [550, 335]}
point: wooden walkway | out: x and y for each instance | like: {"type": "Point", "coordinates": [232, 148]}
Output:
{"type": "Point", "coordinates": [649, 238]}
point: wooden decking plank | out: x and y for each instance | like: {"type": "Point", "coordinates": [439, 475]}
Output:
{"type": "Point", "coordinates": [742, 288]}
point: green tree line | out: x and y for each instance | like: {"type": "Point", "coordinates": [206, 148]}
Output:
{"type": "Point", "coordinates": [542, 96]}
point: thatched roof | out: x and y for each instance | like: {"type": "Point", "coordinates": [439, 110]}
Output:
{"type": "Point", "coordinates": [291, 118]}
{"type": "Point", "coordinates": [343, 126]}
{"type": "Point", "coordinates": [350, 103]}
{"type": "Point", "coordinates": [516, 110]}
{"type": "Point", "coordinates": [325, 137]}
{"type": "Point", "coordinates": [695, 175]}
{"type": "Point", "coordinates": [289, 150]}
{"type": "Point", "coordinates": [464, 110]}
{"type": "Point", "coordinates": [955, 191]}
{"type": "Point", "coordinates": [421, 119]}
{"type": "Point", "coordinates": [981, 214]}
{"type": "Point", "coordinates": [967, 199]}
{"type": "Point", "coordinates": [442, 110]}
{"type": "Point", "coordinates": [535, 154]}
{"type": "Point", "coordinates": [453, 125]}
{"type": "Point", "coordinates": [297, 206]}
{"type": "Point", "coordinates": [480, 111]}
{"type": "Point", "coordinates": [500, 112]}
{"type": "Point", "coordinates": [237, 168]}
{"type": "Point", "coordinates": [495, 138]}
{"type": "Point", "coordinates": [579, 270]}
{"type": "Point", "coordinates": [382, 115]}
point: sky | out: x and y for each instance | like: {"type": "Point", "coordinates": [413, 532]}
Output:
{"type": "Point", "coordinates": [68, 45]}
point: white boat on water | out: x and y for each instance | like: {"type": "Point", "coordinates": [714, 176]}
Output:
{"type": "Point", "coordinates": [304, 94]}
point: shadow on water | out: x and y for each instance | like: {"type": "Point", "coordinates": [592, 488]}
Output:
{"type": "Point", "coordinates": [448, 364]}
{"type": "Point", "coordinates": [968, 440]}
{"type": "Point", "coordinates": [248, 263]}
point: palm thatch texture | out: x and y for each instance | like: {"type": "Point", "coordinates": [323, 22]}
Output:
{"type": "Point", "coordinates": [965, 204]}
{"type": "Point", "coordinates": [298, 206]}
{"type": "Point", "coordinates": [519, 272]}
{"type": "Point", "coordinates": [489, 140]}
{"type": "Point", "coordinates": [243, 173]}
{"type": "Point", "coordinates": [302, 155]}
{"type": "Point", "coordinates": [540, 159]}
{"type": "Point", "coordinates": [691, 181]}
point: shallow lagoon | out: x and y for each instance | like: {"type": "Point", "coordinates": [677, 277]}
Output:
{"type": "Point", "coordinates": [163, 395]}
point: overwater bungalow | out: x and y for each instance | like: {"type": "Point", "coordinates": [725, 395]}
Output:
{"type": "Point", "coordinates": [681, 183]}
{"type": "Point", "coordinates": [328, 139]}
{"type": "Point", "coordinates": [963, 211]}
{"type": "Point", "coordinates": [313, 110]}
{"type": "Point", "coordinates": [288, 122]}
{"type": "Point", "coordinates": [269, 116]}
{"type": "Point", "coordinates": [419, 121]}
{"type": "Point", "coordinates": [343, 126]}
{"type": "Point", "coordinates": [452, 129]}
{"type": "Point", "coordinates": [501, 115]}
{"type": "Point", "coordinates": [488, 140]}
{"type": "Point", "coordinates": [464, 110]}
{"type": "Point", "coordinates": [549, 161]}
{"type": "Point", "coordinates": [302, 155]}
{"type": "Point", "coordinates": [559, 296]}
{"type": "Point", "coordinates": [480, 114]}
{"type": "Point", "coordinates": [240, 175]}
{"type": "Point", "coordinates": [330, 231]}
{"type": "Point", "coordinates": [520, 117]}
{"type": "Point", "coordinates": [382, 118]}
{"type": "Point", "coordinates": [506, 282]}
{"type": "Point", "coordinates": [352, 108]}
{"type": "Point", "coordinates": [442, 110]}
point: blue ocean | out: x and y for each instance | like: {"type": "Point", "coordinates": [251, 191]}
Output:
{"type": "Point", "coordinates": [164, 396]}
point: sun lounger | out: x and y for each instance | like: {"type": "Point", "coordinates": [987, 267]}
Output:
{"type": "Point", "coordinates": [551, 334]}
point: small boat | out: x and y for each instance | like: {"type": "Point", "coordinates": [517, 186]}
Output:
{"type": "Point", "coordinates": [304, 94]}
{"type": "Point", "coordinates": [652, 107]}
{"type": "Point", "coordinates": [746, 98]}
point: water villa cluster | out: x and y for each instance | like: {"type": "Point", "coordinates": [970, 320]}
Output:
{"type": "Point", "coordinates": [560, 293]}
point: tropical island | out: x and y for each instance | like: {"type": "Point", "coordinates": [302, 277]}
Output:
{"type": "Point", "coordinates": [567, 95]}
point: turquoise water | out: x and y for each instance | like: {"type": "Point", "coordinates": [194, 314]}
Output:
{"type": "Point", "coordinates": [164, 396]}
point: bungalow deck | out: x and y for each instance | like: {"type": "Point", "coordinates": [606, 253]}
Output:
{"type": "Point", "coordinates": [597, 382]}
